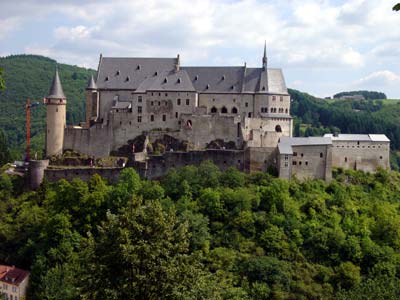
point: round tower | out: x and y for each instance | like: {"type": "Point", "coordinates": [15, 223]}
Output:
{"type": "Point", "coordinates": [56, 103]}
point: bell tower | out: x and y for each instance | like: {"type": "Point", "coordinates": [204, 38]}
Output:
{"type": "Point", "coordinates": [56, 103]}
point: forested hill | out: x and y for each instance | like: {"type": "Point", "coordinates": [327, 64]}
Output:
{"type": "Point", "coordinates": [30, 76]}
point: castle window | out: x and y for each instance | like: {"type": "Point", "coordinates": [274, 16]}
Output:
{"type": "Point", "coordinates": [273, 98]}
{"type": "Point", "coordinates": [117, 110]}
{"type": "Point", "coordinates": [155, 73]}
{"type": "Point", "coordinates": [286, 164]}
{"type": "Point", "coordinates": [159, 94]}
{"type": "Point", "coordinates": [294, 153]}
{"type": "Point", "coordinates": [106, 79]}
{"type": "Point", "coordinates": [286, 157]}
{"type": "Point", "coordinates": [176, 115]}
{"type": "Point", "coordinates": [139, 109]}
{"type": "Point", "coordinates": [127, 78]}
{"type": "Point", "coordinates": [178, 101]}
{"type": "Point", "coordinates": [207, 86]}
{"type": "Point", "coordinates": [249, 114]}
{"type": "Point", "coordinates": [321, 155]}
{"type": "Point", "coordinates": [189, 123]}
{"type": "Point", "coordinates": [138, 67]}
{"type": "Point", "coordinates": [130, 123]}
{"type": "Point", "coordinates": [56, 109]}
{"type": "Point", "coordinates": [234, 100]}
{"type": "Point", "coordinates": [306, 163]}
{"type": "Point", "coordinates": [278, 128]}
{"type": "Point", "coordinates": [152, 118]}
{"type": "Point", "coordinates": [294, 163]}
{"type": "Point", "coordinates": [120, 123]}
{"type": "Point", "coordinates": [164, 118]}
{"type": "Point", "coordinates": [224, 110]}
{"type": "Point", "coordinates": [152, 103]}
{"type": "Point", "coordinates": [179, 80]}
{"type": "Point", "coordinates": [272, 109]}
{"type": "Point", "coordinates": [345, 159]}
{"type": "Point", "coordinates": [159, 103]}
{"type": "Point", "coordinates": [380, 157]}
{"type": "Point", "coordinates": [140, 99]}
{"type": "Point", "coordinates": [223, 77]}
{"type": "Point", "coordinates": [234, 110]}
{"type": "Point", "coordinates": [246, 104]}
{"type": "Point", "coordinates": [301, 154]}
{"type": "Point", "coordinates": [286, 111]}
{"type": "Point", "coordinates": [299, 163]}
{"type": "Point", "coordinates": [196, 77]}
{"type": "Point", "coordinates": [139, 119]}
{"type": "Point", "coordinates": [117, 73]}
{"type": "Point", "coordinates": [187, 101]}
{"type": "Point", "coordinates": [166, 94]}
{"type": "Point", "coordinates": [263, 88]}
{"type": "Point", "coordinates": [214, 110]}
{"type": "Point", "coordinates": [281, 98]}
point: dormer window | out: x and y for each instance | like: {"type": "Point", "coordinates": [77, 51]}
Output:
{"type": "Point", "coordinates": [138, 67]}
{"type": "Point", "coordinates": [155, 73]}
{"type": "Point", "coordinates": [223, 77]}
{"type": "Point", "coordinates": [232, 87]}
{"type": "Point", "coordinates": [117, 73]}
{"type": "Point", "coordinates": [179, 80]}
{"type": "Point", "coordinates": [165, 80]}
{"type": "Point", "coordinates": [196, 77]}
{"type": "Point", "coordinates": [127, 79]}
{"type": "Point", "coordinates": [207, 87]}
{"type": "Point", "coordinates": [106, 79]}
{"type": "Point", "coordinates": [263, 88]}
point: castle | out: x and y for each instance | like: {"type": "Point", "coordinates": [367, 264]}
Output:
{"type": "Point", "coordinates": [234, 116]}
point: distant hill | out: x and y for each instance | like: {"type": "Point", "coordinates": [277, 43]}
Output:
{"type": "Point", "coordinates": [368, 95]}
{"type": "Point", "coordinates": [30, 76]}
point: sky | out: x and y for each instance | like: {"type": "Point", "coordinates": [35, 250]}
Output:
{"type": "Point", "coordinates": [323, 46]}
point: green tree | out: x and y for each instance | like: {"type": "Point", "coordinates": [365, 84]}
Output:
{"type": "Point", "coordinates": [4, 150]}
{"type": "Point", "coordinates": [2, 82]}
{"type": "Point", "coordinates": [140, 253]}
{"type": "Point", "coordinates": [396, 7]}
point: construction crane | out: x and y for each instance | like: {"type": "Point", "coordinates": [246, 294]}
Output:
{"type": "Point", "coordinates": [28, 107]}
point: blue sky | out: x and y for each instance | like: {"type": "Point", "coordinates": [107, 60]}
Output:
{"type": "Point", "coordinates": [323, 47]}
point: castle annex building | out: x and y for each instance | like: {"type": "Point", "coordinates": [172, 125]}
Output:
{"type": "Point", "coordinates": [235, 116]}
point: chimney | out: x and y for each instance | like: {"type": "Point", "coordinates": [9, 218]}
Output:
{"type": "Point", "coordinates": [178, 63]}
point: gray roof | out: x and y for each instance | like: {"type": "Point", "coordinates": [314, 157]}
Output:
{"type": "Point", "coordinates": [167, 81]}
{"type": "Point", "coordinates": [131, 73]}
{"type": "Point", "coordinates": [91, 84]}
{"type": "Point", "coordinates": [56, 90]}
{"type": "Point", "coordinates": [359, 137]}
{"type": "Point", "coordinates": [122, 105]}
{"type": "Point", "coordinates": [285, 143]}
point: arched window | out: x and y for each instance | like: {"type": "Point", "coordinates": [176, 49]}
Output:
{"type": "Point", "coordinates": [189, 123]}
{"type": "Point", "coordinates": [286, 110]}
{"type": "Point", "coordinates": [224, 110]}
{"type": "Point", "coordinates": [234, 110]}
{"type": "Point", "coordinates": [214, 110]}
{"type": "Point", "coordinates": [278, 128]}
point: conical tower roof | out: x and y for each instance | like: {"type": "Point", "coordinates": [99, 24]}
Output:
{"type": "Point", "coordinates": [91, 84]}
{"type": "Point", "coordinates": [56, 90]}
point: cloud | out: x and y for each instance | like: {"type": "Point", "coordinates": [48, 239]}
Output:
{"type": "Point", "coordinates": [379, 79]}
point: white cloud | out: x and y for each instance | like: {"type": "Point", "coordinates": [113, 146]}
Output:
{"type": "Point", "coordinates": [379, 79]}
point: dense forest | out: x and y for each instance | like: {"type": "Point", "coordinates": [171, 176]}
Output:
{"type": "Point", "coordinates": [368, 95]}
{"type": "Point", "coordinates": [30, 76]}
{"type": "Point", "coordinates": [204, 234]}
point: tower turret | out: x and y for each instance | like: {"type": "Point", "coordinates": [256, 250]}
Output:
{"type": "Point", "coordinates": [92, 102]}
{"type": "Point", "coordinates": [264, 59]}
{"type": "Point", "coordinates": [55, 117]}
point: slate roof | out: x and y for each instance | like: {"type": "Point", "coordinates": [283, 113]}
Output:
{"type": "Point", "coordinates": [91, 84]}
{"type": "Point", "coordinates": [128, 73]}
{"type": "Point", "coordinates": [148, 73]}
{"type": "Point", "coordinates": [56, 90]}
{"type": "Point", "coordinates": [359, 137]}
{"type": "Point", "coordinates": [167, 81]}
{"type": "Point", "coordinates": [122, 105]}
{"type": "Point", "coordinates": [285, 143]}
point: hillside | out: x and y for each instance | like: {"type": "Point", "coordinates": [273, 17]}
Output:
{"type": "Point", "coordinates": [30, 76]}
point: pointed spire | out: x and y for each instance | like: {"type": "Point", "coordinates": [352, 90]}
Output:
{"type": "Point", "coordinates": [56, 90]}
{"type": "Point", "coordinates": [265, 60]}
{"type": "Point", "coordinates": [91, 84]}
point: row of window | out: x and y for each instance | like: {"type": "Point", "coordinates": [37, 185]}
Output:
{"type": "Point", "coordinates": [302, 154]}
{"type": "Point", "coordinates": [347, 146]}
{"type": "Point", "coordinates": [139, 118]}
{"type": "Point", "coordinates": [274, 98]}
{"type": "Point", "coordinates": [294, 163]}
{"type": "Point", "coordinates": [274, 110]}
{"type": "Point", "coordinates": [224, 110]}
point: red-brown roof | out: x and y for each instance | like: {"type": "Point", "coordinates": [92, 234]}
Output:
{"type": "Point", "coordinates": [12, 275]}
